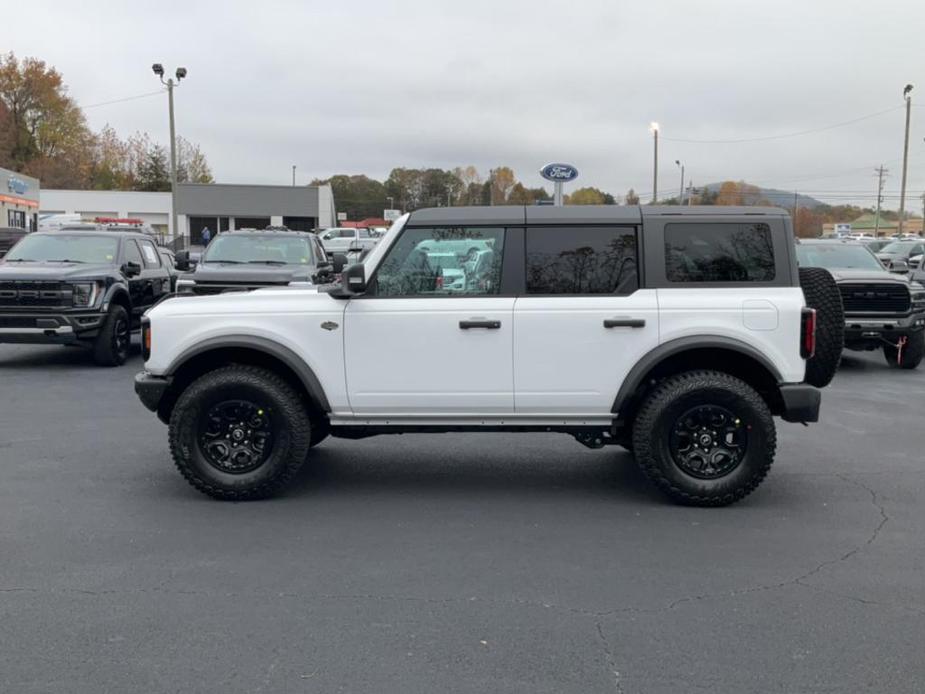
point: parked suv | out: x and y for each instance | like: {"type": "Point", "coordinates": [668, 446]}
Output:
{"type": "Point", "coordinates": [84, 286]}
{"type": "Point", "coordinates": [676, 333]}
{"type": "Point", "coordinates": [346, 240]}
{"type": "Point", "coordinates": [883, 310]}
{"type": "Point", "coordinates": [238, 261]}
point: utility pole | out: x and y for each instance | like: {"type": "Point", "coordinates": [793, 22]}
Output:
{"type": "Point", "coordinates": [881, 172]}
{"type": "Point", "coordinates": [681, 191]}
{"type": "Point", "coordinates": [491, 187]}
{"type": "Point", "coordinates": [795, 199]}
{"type": "Point", "coordinates": [170, 84]}
{"type": "Point", "coordinates": [690, 192]}
{"type": "Point", "coordinates": [902, 189]}
{"type": "Point", "coordinates": [293, 175]}
{"type": "Point", "coordinates": [654, 128]}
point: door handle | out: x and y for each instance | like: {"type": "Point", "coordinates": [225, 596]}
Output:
{"type": "Point", "coordinates": [624, 323]}
{"type": "Point", "coordinates": [485, 324]}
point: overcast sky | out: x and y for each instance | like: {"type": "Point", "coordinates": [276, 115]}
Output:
{"type": "Point", "coordinates": [361, 86]}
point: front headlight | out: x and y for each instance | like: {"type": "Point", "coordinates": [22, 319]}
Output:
{"type": "Point", "coordinates": [185, 286]}
{"type": "Point", "coordinates": [85, 293]}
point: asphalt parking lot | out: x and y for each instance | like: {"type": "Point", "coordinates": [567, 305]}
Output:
{"type": "Point", "coordinates": [453, 563]}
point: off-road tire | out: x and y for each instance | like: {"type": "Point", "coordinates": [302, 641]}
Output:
{"type": "Point", "coordinates": [913, 352]}
{"type": "Point", "coordinates": [290, 445]}
{"type": "Point", "coordinates": [109, 348]}
{"type": "Point", "coordinates": [821, 293]}
{"type": "Point", "coordinates": [670, 400]}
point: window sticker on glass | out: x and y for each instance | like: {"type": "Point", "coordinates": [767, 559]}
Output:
{"type": "Point", "coordinates": [150, 254]}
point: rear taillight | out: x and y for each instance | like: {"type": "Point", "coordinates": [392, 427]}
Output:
{"type": "Point", "coordinates": [146, 338]}
{"type": "Point", "coordinates": [808, 333]}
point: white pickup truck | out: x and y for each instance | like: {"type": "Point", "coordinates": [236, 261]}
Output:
{"type": "Point", "coordinates": [677, 333]}
{"type": "Point", "coordinates": [346, 239]}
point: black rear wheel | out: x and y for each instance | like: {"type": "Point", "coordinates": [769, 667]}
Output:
{"type": "Point", "coordinates": [705, 438]}
{"type": "Point", "coordinates": [239, 432]}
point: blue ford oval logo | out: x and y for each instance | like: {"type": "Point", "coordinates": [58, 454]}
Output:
{"type": "Point", "coordinates": [559, 173]}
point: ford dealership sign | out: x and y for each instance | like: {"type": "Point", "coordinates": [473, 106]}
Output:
{"type": "Point", "coordinates": [16, 185]}
{"type": "Point", "coordinates": [559, 173]}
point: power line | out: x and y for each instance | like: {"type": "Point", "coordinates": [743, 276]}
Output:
{"type": "Point", "coordinates": [127, 98]}
{"type": "Point", "coordinates": [786, 135]}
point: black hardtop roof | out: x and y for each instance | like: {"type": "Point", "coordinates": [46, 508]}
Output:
{"type": "Point", "coordinates": [578, 214]}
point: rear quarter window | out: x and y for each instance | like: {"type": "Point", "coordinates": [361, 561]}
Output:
{"type": "Point", "coordinates": [719, 252]}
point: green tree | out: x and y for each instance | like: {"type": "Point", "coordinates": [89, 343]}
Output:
{"type": "Point", "coordinates": [154, 174]}
{"type": "Point", "coordinates": [520, 195]}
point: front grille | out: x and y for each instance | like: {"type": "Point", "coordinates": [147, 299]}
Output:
{"type": "Point", "coordinates": [34, 293]}
{"type": "Point", "coordinates": [874, 298]}
{"type": "Point", "coordinates": [16, 322]}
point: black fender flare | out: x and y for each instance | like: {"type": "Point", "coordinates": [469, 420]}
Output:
{"type": "Point", "coordinates": [685, 344]}
{"type": "Point", "coordinates": [114, 290]}
{"type": "Point", "coordinates": [260, 344]}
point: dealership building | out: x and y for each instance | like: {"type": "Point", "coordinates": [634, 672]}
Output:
{"type": "Point", "coordinates": [220, 207]}
{"type": "Point", "coordinates": [19, 200]}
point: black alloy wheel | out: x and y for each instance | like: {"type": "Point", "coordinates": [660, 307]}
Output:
{"type": "Point", "coordinates": [708, 442]}
{"type": "Point", "coordinates": [236, 436]}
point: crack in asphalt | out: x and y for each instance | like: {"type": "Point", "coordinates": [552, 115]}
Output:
{"type": "Point", "coordinates": [611, 659]}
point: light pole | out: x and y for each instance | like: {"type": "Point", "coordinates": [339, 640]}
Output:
{"type": "Point", "coordinates": [681, 191]}
{"type": "Point", "coordinates": [170, 84]}
{"type": "Point", "coordinates": [293, 175]}
{"type": "Point", "coordinates": [654, 128]}
{"type": "Point", "coordinates": [902, 189]}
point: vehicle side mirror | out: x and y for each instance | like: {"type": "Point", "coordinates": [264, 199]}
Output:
{"type": "Point", "coordinates": [131, 269]}
{"type": "Point", "coordinates": [340, 262]}
{"type": "Point", "coordinates": [353, 282]}
{"type": "Point", "coordinates": [899, 266]}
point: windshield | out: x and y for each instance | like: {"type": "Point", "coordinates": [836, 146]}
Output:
{"type": "Point", "coordinates": [271, 250]}
{"type": "Point", "coordinates": [897, 247]}
{"type": "Point", "coordinates": [78, 248]}
{"type": "Point", "coordinates": [837, 256]}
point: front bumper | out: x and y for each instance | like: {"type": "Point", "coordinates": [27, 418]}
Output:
{"type": "Point", "coordinates": [801, 402]}
{"type": "Point", "coordinates": [861, 331]}
{"type": "Point", "coordinates": [49, 327]}
{"type": "Point", "coordinates": [151, 389]}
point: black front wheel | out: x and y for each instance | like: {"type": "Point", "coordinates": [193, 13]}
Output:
{"type": "Point", "coordinates": [705, 438]}
{"type": "Point", "coordinates": [111, 346]}
{"type": "Point", "coordinates": [911, 355]}
{"type": "Point", "coordinates": [239, 432]}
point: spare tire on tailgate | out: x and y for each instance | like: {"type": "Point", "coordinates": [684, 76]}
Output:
{"type": "Point", "coordinates": [822, 294]}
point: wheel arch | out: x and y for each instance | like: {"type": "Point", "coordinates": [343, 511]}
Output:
{"type": "Point", "coordinates": [118, 294]}
{"type": "Point", "coordinates": [216, 352]}
{"type": "Point", "coordinates": [718, 352]}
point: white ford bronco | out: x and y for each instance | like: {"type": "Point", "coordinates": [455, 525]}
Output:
{"type": "Point", "coordinates": [677, 333]}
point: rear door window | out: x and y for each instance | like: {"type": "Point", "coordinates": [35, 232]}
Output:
{"type": "Point", "coordinates": [719, 252]}
{"type": "Point", "coordinates": [581, 260]}
{"type": "Point", "coordinates": [152, 259]}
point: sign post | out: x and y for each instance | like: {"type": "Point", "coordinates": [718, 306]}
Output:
{"type": "Point", "coordinates": [559, 174]}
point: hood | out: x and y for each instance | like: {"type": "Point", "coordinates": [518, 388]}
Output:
{"type": "Point", "coordinates": [889, 256]}
{"type": "Point", "coordinates": [54, 271]}
{"type": "Point", "coordinates": [261, 302]}
{"type": "Point", "coordinates": [850, 275]}
{"type": "Point", "coordinates": [251, 273]}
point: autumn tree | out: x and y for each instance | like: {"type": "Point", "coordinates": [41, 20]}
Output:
{"type": "Point", "coordinates": [501, 183]}
{"type": "Point", "coordinates": [586, 196]}
{"type": "Point", "coordinates": [50, 137]}
{"type": "Point", "coordinates": [192, 165]}
{"type": "Point", "coordinates": [520, 195]}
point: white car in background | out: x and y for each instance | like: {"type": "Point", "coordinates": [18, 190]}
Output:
{"type": "Point", "coordinates": [346, 239]}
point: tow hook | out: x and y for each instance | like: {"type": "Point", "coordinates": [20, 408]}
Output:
{"type": "Point", "coordinates": [594, 440]}
{"type": "Point", "coordinates": [899, 347]}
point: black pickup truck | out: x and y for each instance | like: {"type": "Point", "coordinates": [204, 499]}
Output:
{"type": "Point", "coordinates": [81, 286]}
{"type": "Point", "coordinates": [883, 310]}
{"type": "Point", "coordinates": [250, 259]}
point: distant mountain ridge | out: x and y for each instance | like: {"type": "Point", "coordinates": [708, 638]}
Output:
{"type": "Point", "coordinates": [777, 197]}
